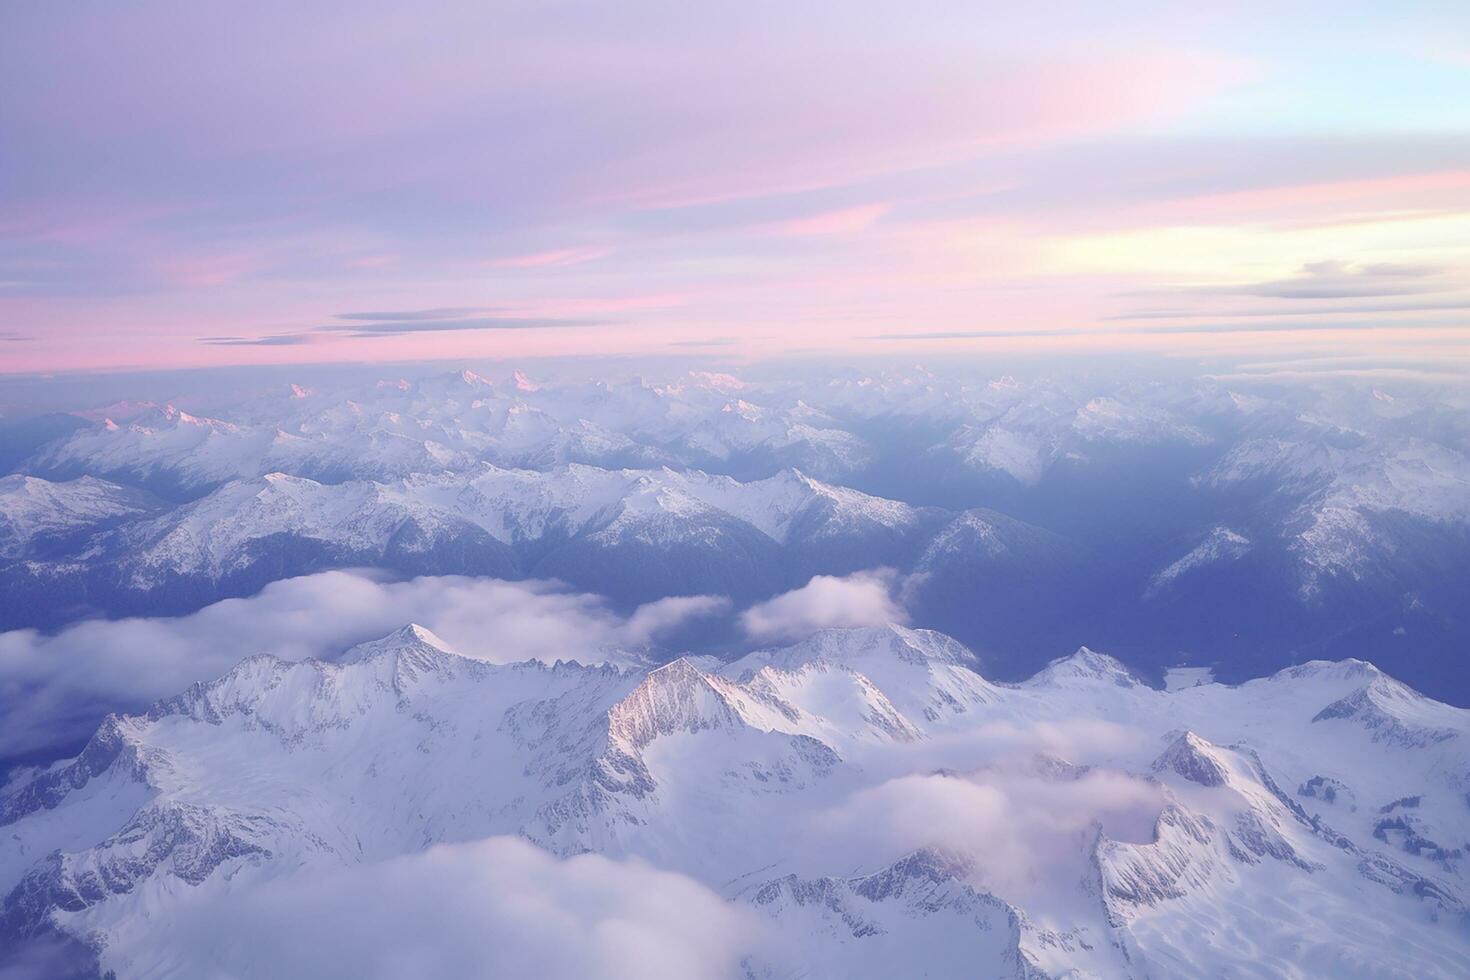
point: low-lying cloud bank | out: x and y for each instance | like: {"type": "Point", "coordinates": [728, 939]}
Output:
{"type": "Point", "coordinates": [1020, 801]}
{"type": "Point", "coordinates": [1026, 831]}
{"type": "Point", "coordinates": [55, 689]}
{"type": "Point", "coordinates": [498, 907]}
{"type": "Point", "coordinates": [859, 599]}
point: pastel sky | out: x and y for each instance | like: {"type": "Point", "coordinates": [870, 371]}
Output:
{"type": "Point", "coordinates": [199, 182]}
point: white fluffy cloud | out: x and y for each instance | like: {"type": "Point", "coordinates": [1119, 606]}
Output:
{"type": "Point", "coordinates": [498, 907]}
{"type": "Point", "coordinates": [860, 599]}
{"type": "Point", "coordinates": [999, 794]}
{"type": "Point", "coordinates": [1026, 831]}
{"type": "Point", "coordinates": [1009, 745]}
{"type": "Point", "coordinates": [662, 615]}
{"type": "Point", "coordinates": [54, 689]}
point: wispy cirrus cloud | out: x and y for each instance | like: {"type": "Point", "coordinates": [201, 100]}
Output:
{"type": "Point", "coordinates": [792, 186]}
{"type": "Point", "coordinates": [1357, 295]}
{"type": "Point", "coordinates": [706, 342]}
{"type": "Point", "coordinates": [1336, 279]}
{"type": "Point", "coordinates": [840, 222]}
{"type": "Point", "coordinates": [970, 335]}
{"type": "Point", "coordinates": [273, 340]}
{"type": "Point", "coordinates": [445, 319]}
{"type": "Point", "coordinates": [1184, 329]}
{"type": "Point", "coordinates": [1448, 305]}
{"type": "Point", "coordinates": [548, 259]}
{"type": "Point", "coordinates": [437, 313]}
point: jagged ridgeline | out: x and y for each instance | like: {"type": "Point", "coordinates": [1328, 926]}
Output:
{"type": "Point", "coordinates": [867, 800]}
{"type": "Point", "coordinates": [1247, 528]}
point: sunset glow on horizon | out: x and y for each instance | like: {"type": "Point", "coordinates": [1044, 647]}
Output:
{"type": "Point", "coordinates": [195, 184]}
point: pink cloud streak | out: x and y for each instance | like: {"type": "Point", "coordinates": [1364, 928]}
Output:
{"type": "Point", "coordinates": [549, 259]}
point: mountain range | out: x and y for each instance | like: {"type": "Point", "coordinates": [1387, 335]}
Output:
{"type": "Point", "coordinates": [865, 802]}
{"type": "Point", "coordinates": [1025, 517]}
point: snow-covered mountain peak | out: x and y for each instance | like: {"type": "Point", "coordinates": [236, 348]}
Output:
{"type": "Point", "coordinates": [972, 532]}
{"type": "Point", "coordinates": [1350, 669]}
{"type": "Point", "coordinates": [744, 409]}
{"type": "Point", "coordinates": [292, 698]}
{"type": "Point", "coordinates": [904, 680]}
{"type": "Point", "coordinates": [1085, 667]}
{"type": "Point", "coordinates": [934, 863]}
{"type": "Point", "coordinates": [915, 917]}
{"type": "Point", "coordinates": [863, 645]}
{"type": "Point", "coordinates": [279, 479]}
{"type": "Point", "coordinates": [115, 746]}
{"type": "Point", "coordinates": [1221, 544]}
{"type": "Point", "coordinates": [19, 486]}
{"type": "Point", "coordinates": [411, 637]}
{"type": "Point", "coordinates": [280, 766]}
{"type": "Point", "coordinates": [1109, 418]}
{"type": "Point", "coordinates": [33, 509]}
{"type": "Point", "coordinates": [1195, 759]}
{"type": "Point", "coordinates": [174, 416]}
{"type": "Point", "coordinates": [677, 697]}
{"type": "Point", "coordinates": [409, 657]}
{"type": "Point", "coordinates": [471, 378]}
{"type": "Point", "coordinates": [1396, 714]}
{"type": "Point", "coordinates": [979, 536]}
